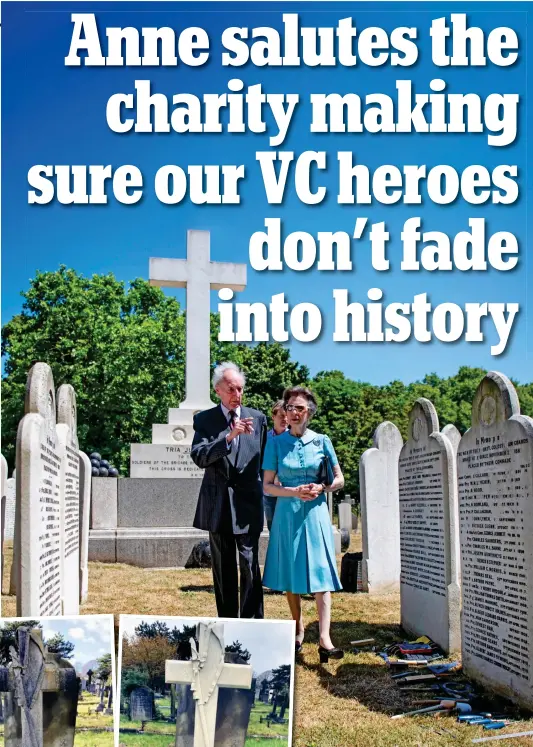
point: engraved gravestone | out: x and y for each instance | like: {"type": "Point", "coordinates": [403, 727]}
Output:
{"type": "Point", "coordinates": [380, 511]}
{"type": "Point", "coordinates": [141, 704]}
{"type": "Point", "coordinates": [3, 472]}
{"type": "Point", "coordinates": [429, 531]}
{"type": "Point", "coordinates": [70, 505]}
{"type": "Point", "coordinates": [85, 515]}
{"type": "Point", "coordinates": [38, 518]}
{"type": "Point", "coordinates": [495, 474]}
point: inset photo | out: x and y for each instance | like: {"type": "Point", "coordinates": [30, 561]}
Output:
{"type": "Point", "coordinates": [202, 681]}
{"type": "Point", "coordinates": [57, 678]}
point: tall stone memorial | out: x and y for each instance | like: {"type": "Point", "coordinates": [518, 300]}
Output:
{"type": "Point", "coordinates": [85, 513]}
{"type": "Point", "coordinates": [3, 480]}
{"type": "Point", "coordinates": [70, 493]}
{"type": "Point", "coordinates": [429, 531]}
{"type": "Point", "coordinates": [38, 559]}
{"type": "Point", "coordinates": [495, 473]}
{"type": "Point", "coordinates": [380, 511]}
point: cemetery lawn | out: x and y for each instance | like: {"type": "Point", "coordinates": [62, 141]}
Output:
{"type": "Point", "coordinates": [346, 703]}
{"type": "Point", "coordinates": [160, 733]}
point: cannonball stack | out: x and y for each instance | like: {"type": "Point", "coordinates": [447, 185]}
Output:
{"type": "Point", "coordinates": [101, 467]}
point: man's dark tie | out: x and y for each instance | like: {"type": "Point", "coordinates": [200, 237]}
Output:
{"type": "Point", "coordinates": [232, 414]}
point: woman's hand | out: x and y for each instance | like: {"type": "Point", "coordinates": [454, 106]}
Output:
{"type": "Point", "coordinates": [310, 491]}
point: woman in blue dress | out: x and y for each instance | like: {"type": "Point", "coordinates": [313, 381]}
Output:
{"type": "Point", "coordinates": [301, 551]}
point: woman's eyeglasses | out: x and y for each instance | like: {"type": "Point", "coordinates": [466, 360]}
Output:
{"type": "Point", "coordinates": [295, 408]}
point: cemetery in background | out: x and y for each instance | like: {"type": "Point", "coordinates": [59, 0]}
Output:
{"type": "Point", "coordinates": [229, 701]}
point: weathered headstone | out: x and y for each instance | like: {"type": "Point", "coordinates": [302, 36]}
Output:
{"type": "Point", "coordinates": [380, 511]}
{"type": "Point", "coordinates": [429, 531]}
{"type": "Point", "coordinates": [41, 695]}
{"type": "Point", "coordinates": [38, 514]}
{"type": "Point", "coordinates": [109, 708]}
{"type": "Point", "coordinates": [142, 704]}
{"type": "Point", "coordinates": [85, 515]}
{"type": "Point", "coordinates": [206, 673]}
{"type": "Point", "coordinates": [495, 473]}
{"type": "Point", "coordinates": [345, 513]}
{"type": "Point", "coordinates": [3, 480]}
{"type": "Point", "coordinates": [70, 505]}
{"type": "Point", "coordinates": [453, 435]}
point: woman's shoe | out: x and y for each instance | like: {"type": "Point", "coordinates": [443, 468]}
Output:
{"type": "Point", "coordinates": [297, 647]}
{"type": "Point", "coordinates": [329, 653]}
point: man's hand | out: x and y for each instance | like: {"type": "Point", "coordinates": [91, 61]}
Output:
{"type": "Point", "coordinates": [243, 427]}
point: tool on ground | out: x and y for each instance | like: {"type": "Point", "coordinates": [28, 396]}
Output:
{"type": "Point", "coordinates": [408, 663]}
{"type": "Point", "coordinates": [441, 668]}
{"type": "Point", "coordinates": [444, 705]}
{"type": "Point", "coordinates": [363, 642]}
{"type": "Point", "coordinates": [503, 736]}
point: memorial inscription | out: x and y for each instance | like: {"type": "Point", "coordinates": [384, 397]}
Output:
{"type": "Point", "coordinates": [429, 539]}
{"type": "Point", "coordinates": [496, 527]}
{"type": "Point", "coordinates": [70, 488]}
{"type": "Point", "coordinates": [162, 460]}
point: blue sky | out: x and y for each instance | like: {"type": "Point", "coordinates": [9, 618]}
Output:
{"type": "Point", "coordinates": [92, 635]}
{"type": "Point", "coordinates": [270, 642]}
{"type": "Point", "coordinates": [53, 114]}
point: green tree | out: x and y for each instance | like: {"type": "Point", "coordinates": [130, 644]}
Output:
{"type": "Point", "coordinates": [122, 351]}
{"type": "Point", "coordinates": [104, 668]}
{"type": "Point", "coordinates": [59, 645]}
{"type": "Point", "coordinates": [236, 649]}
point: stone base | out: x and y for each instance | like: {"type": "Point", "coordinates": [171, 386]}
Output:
{"type": "Point", "coordinates": [148, 547]}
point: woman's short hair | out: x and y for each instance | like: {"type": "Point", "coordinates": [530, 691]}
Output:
{"type": "Point", "coordinates": [220, 370]}
{"type": "Point", "coordinates": [277, 406]}
{"type": "Point", "coordinates": [301, 391]}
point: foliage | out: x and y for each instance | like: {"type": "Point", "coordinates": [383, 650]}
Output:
{"type": "Point", "coordinates": [132, 678]}
{"type": "Point", "coordinates": [123, 350]}
{"type": "Point", "coordinates": [147, 656]}
{"type": "Point", "coordinates": [281, 679]}
{"type": "Point", "coordinates": [8, 637]}
{"type": "Point", "coordinates": [237, 650]}
{"type": "Point", "coordinates": [58, 645]}
{"type": "Point", "coordinates": [104, 668]}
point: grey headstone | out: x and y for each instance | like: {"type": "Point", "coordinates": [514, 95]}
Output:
{"type": "Point", "coordinates": [38, 512]}
{"type": "Point", "coordinates": [453, 435]}
{"type": "Point", "coordinates": [142, 704]}
{"type": "Point", "coordinates": [85, 515]}
{"type": "Point", "coordinates": [380, 511]}
{"type": "Point", "coordinates": [60, 706]}
{"type": "Point", "coordinates": [3, 480]}
{"type": "Point", "coordinates": [429, 531]}
{"type": "Point", "coordinates": [495, 472]}
{"type": "Point", "coordinates": [70, 488]}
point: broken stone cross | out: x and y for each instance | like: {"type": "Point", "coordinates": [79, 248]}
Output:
{"type": "Point", "coordinates": [42, 695]}
{"type": "Point", "coordinates": [206, 673]}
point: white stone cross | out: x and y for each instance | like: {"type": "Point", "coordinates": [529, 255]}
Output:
{"type": "Point", "coordinates": [198, 275]}
{"type": "Point", "coordinates": [206, 673]}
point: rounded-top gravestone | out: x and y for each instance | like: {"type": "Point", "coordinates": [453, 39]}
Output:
{"type": "Point", "coordinates": [429, 531]}
{"type": "Point", "coordinates": [37, 551]}
{"type": "Point", "coordinates": [495, 474]}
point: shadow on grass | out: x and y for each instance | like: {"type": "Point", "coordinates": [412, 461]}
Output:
{"type": "Point", "coordinates": [209, 588]}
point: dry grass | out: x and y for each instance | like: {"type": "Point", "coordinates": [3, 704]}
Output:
{"type": "Point", "coordinates": [345, 703]}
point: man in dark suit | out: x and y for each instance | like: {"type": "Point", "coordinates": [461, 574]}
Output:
{"type": "Point", "coordinates": [229, 441]}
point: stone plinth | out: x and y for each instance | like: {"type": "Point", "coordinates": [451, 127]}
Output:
{"type": "Point", "coordinates": [175, 501]}
{"type": "Point", "coordinates": [162, 460]}
{"type": "Point", "coordinates": [152, 547]}
{"type": "Point", "coordinates": [104, 502]}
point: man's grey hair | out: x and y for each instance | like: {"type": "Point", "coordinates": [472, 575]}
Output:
{"type": "Point", "coordinates": [220, 370]}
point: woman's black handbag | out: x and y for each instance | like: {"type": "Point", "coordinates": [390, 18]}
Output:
{"type": "Point", "coordinates": [325, 471]}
